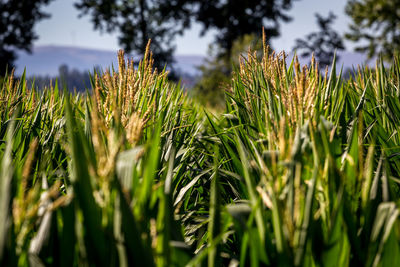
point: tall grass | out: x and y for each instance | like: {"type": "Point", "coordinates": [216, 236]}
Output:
{"type": "Point", "coordinates": [302, 169]}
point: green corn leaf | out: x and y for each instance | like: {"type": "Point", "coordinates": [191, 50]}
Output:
{"type": "Point", "coordinates": [6, 175]}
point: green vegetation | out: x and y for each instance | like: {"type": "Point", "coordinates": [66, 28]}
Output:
{"type": "Point", "coordinates": [323, 44]}
{"type": "Point", "coordinates": [375, 26]}
{"type": "Point", "coordinates": [17, 22]}
{"type": "Point", "coordinates": [216, 71]}
{"type": "Point", "coordinates": [137, 21]}
{"type": "Point", "coordinates": [301, 169]}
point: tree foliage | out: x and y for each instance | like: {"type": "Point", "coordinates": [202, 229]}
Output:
{"type": "Point", "coordinates": [323, 43]}
{"type": "Point", "coordinates": [17, 19]}
{"type": "Point", "coordinates": [239, 24]}
{"type": "Point", "coordinates": [216, 71]}
{"type": "Point", "coordinates": [136, 22]}
{"type": "Point", "coordinates": [233, 18]}
{"type": "Point", "coordinates": [376, 23]}
{"type": "Point", "coordinates": [71, 79]}
{"type": "Point", "coordinates": [161, 20]}
{"type": "Point", "coordinates": [209, 89]}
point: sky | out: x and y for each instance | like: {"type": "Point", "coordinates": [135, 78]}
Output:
{"type": "Point", "coordinates": [65, 28]}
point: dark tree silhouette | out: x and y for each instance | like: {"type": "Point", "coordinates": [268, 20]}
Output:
{"type": "Point", "coordinates": [71, 79]}
{"type": "Point", "coordinates": [161, 20]}
{"type": "Point", "coordinates": [136, 22]}
{"type": "Point", "coordinates": [232, 18]}
{"type": "Point", "coordinates": [377, 22]}
{"type": "Point", "coordinates": [323, 43]}
{"type": "Point", "coordinates": [17, 19]}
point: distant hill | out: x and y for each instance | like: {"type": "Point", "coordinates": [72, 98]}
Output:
{"type": "Point", "coordinates": [45, 60]}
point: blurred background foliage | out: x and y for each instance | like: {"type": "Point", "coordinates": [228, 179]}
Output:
{"type": "Point", "coordinates": [375, 26]}
{"type": "Point", "coordinates": [323, 44]}
{"type": "Point", "coordinates": [217, 68]}
{"type": "Point", "coordinates": [17, 21]}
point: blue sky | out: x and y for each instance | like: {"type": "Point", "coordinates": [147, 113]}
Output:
{"type": "Point", "coordinates": [65, 28]}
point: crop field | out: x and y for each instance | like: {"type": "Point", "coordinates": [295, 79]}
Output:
{"type": "Point", "coordinates": [302, 168]}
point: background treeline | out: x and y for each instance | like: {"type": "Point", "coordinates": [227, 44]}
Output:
{"type": "Point", "coordinates": [80, 81]}
{"type": "Point", "coordinates": [71, 79]}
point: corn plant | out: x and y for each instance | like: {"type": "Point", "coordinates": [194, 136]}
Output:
{"type": "Point", "coordinates": [301, 169]}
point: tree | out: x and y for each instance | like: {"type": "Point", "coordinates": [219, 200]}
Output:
{"type": "Point", "coordinates": [137, 21]}
{"type": "Point", "coordinates": [216, 71]}
{"type": "Point", "coordinates": [232, 18]}
{"type": "Point", "coordinates": [323, 43]}
{"type": "Point", "coordinates": [71, 79]}
{"type": "Point", "coordinates": [377, 22]}
{"type": "Point", "coordinates": [161, 20]}
{"type": "Point", "coordinates": [17, 19]}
